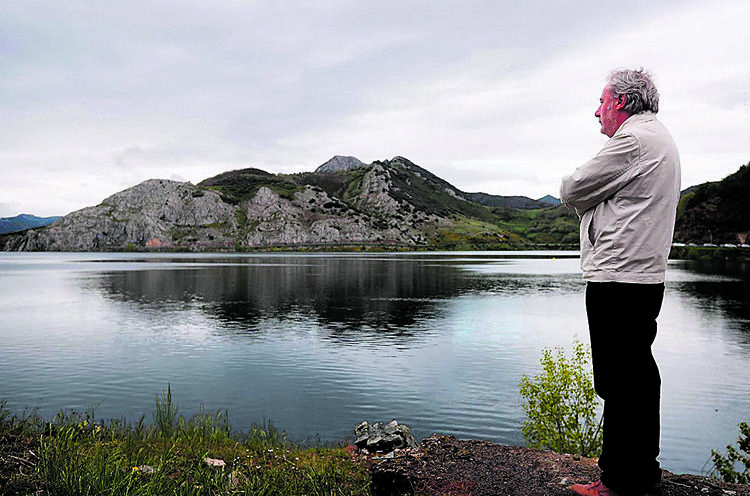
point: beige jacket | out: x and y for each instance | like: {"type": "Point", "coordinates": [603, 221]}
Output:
{"type": "Point", "coordinates": [627, 199]}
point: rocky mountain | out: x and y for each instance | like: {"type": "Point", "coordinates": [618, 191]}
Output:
{"type": "Point", "coordinates": [340, 163]}
{"type": "Point", "coordinates": [549, 200]}
{"type": "Point", "coordinates": [154, 213]}
{"type": "Point", "coordinates": [348, 204]}
{"type": "Point", "coordinates": [22, 222]}
{"type": "Point", "coordinates": [344, 203]}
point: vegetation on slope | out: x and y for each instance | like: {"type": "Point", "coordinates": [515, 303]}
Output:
{"type": "Point", "coordinates": [430, 194]}
{"type": "Point", "coordinates": [545, 226]}
{"type": "Point", "coordinates": [242, 185]}
{"type": "Point", "coordinates": [716, 212]}
{"type": "Point", "coordinates": [23, 222]}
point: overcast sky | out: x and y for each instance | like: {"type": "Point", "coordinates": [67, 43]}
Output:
{"type": "Point", "coordinates": [495, 96]}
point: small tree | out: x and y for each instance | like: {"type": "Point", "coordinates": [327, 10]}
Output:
{"type": "Point", "coordinates": [560, 404]}
{"type": "Point", "coordinates": [727, 466]}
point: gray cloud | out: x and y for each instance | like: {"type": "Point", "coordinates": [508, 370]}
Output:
{"type": "Point", "coordinates": [110, 94]}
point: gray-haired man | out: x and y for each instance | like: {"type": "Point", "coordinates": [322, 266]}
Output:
{"type": "Point", "coordinates": [626, 197]}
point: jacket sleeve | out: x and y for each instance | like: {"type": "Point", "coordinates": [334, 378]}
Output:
{"type": "Point", "coordinates": [602, 176]}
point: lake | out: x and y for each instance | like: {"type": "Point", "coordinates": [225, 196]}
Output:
{"type": "Point", "coordinates": [320, 342]}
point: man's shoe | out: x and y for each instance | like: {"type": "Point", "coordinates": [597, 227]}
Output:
{"type": "Point", "coordinates": [599, 489]}
{"type": "Point", "coordinates": [595, 489]}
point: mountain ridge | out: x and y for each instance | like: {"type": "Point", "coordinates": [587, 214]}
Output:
{"type": "Point", "coordinates": [24, 221]}
{"type": "Point", "coordinates": [391, 204]}
{"type": "Point", "coordinates": [387, 204]}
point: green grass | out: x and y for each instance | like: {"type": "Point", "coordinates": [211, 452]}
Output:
{"type": "Point", "coordinates": [472, 234]}
{"type": "Point", "coordinates": [548, 226]}
{"type": "Point", "coordinates": [73, 454]}
{"type": "Point", "coordinates": [709, 253]}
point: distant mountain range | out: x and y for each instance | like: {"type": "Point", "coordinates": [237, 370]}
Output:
{"type": "Point", "coordinates": [23, 221]}
{"type": "Point", "coordinates": [343, 203]}
{"type": "Point", "coordinates": [347, 204]}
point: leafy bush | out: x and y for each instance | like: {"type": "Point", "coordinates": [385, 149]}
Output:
{"type": "Point", "coordinates": [561, 404]}
{"type": "Point", "coordinates": [726, 466]}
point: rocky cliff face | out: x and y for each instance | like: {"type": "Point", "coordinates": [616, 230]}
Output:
{"type": "Point", "coordinates": [156, 213]}
{"type": "Point", "coordinates": [314, 218]}
{"type": "Point", "coordinates": [341, 163]}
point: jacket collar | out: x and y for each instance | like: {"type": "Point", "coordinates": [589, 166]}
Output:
{"type": "Point", "coordinates": [634, 120]}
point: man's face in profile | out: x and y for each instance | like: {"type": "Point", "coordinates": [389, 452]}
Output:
{"type": "Point", "coordinates": [608, 113]}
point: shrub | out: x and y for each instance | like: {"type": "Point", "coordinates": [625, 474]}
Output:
{"type": "Point", "coordinates": [561, 404]}
{"type": "Point", "coordinates": [727, 466]}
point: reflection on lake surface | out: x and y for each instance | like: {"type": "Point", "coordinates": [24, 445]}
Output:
{"type": "Point", "coordinates": [319, 342]}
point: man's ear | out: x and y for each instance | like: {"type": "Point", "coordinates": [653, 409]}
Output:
{"type": "Point", "coordinates": [620, 102]}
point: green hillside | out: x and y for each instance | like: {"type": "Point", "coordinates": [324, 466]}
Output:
{"type": "Point", "coordinates": [241, 185]}
{"type": "Point", "coordinates": [22, 222]}
{"type": "Point", "coordinates": [543, 226]}
{"type": "Point", "coordinates": [716, 212]}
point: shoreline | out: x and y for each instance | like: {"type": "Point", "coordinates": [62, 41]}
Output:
{"type": "Point", "coordinates": [73, 454]}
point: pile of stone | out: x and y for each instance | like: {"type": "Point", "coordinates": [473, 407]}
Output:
{"type": "Point", "coordinates": [383, 438]}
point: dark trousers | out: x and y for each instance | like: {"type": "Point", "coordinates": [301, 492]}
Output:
{"type": "Point", "coordinates": [622, 324]}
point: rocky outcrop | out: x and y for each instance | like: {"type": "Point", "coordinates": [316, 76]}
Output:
{"type": "Point", "coordinates": [156, 213]}
{"type": "Point", "coordinates": [376, 194]}
{"type": "Point", "coordinates": [341, 163]}
{"type": "Point", "coordinates": [384, 438]}
{"type": "Point", "coordinates": [374, 191]}
{"type": "Point", "coordinates": [314, 218]}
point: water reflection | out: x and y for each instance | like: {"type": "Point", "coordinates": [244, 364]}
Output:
{"type": "Point", "coordinates": [718, 288]}
{"type": "Point", "coordinates": [381, 298]}
{"type": "Point", "coordinates": [364, 298]}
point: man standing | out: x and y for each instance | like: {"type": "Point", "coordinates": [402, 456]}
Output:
{"type": "Point", "coordinates": [627, 198]}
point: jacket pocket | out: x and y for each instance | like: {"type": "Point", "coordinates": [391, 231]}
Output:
{"type": "Point", "coordinates": [591, 231]}
{"type": "Point", "coordinates": [588, 232]}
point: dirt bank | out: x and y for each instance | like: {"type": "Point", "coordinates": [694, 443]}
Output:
{"type": "Point", "coordinates": [447, 466]}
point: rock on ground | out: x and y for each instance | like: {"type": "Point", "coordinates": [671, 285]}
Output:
{"type": "Point", "coordinates": [384, 438]}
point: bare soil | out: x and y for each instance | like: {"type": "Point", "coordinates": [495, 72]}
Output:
{"type": "Point", "coordinates": [447, 466]}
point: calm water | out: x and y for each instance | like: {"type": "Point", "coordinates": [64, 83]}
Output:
{"type": "Point", "coordinates": [319, 342]}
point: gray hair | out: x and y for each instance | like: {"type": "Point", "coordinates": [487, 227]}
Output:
{"type": "Point", "coordinates": [638, 88]}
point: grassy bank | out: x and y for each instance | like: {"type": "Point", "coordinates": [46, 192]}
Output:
{"type": "Point", "coordinates": [709, 253]}
{"type": "Point", "coordinates": [74, 454]}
